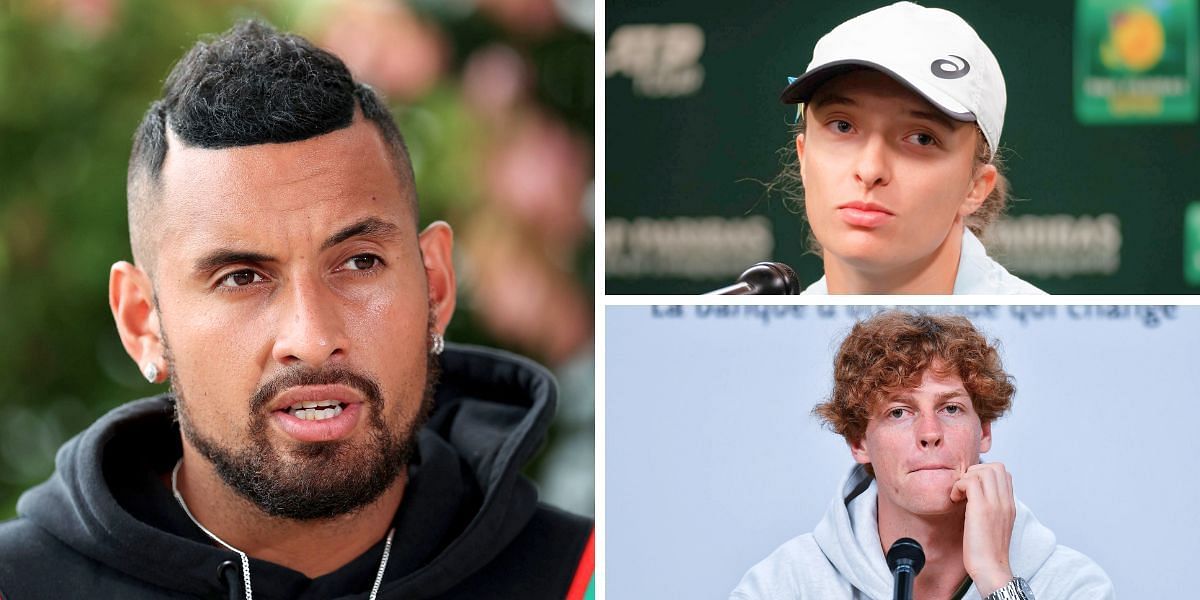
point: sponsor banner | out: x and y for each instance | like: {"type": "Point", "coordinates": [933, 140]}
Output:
{"type": "Point", "coordinates": [1060, 245]}
{"type": "Point", "coordinates": [1137, 61]}
{"type": "Point", "coordinates": [686, 247]}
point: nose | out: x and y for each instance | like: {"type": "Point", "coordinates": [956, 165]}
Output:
{"type": "Point", "coordinates": [929, 432]}
{"type": "Point", "coordinates": [873, 167]}
{"type": "Point", "coordinates": [312, 330]}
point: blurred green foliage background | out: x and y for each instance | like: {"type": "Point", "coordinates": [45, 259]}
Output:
{"type": "Point", "coordinates": [495, 98]}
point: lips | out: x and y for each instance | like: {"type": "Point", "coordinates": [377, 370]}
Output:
{"type": "Point", "coordinates": [931, 468]}
{"type": "Point", "coordinates": [319, 394]}
{"type": "Point", "coordinates": [317, 413]}
{"type": "Point", "coordinates": [864, 214]}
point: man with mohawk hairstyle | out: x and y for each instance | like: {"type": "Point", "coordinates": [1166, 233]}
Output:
{"type": "Point", "coordinates": [321, 440]}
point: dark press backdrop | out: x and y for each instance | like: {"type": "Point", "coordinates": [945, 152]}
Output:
{"type": "Point", "coordinates": [1100, 137]}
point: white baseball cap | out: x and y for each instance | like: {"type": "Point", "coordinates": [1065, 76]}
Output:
{"type": "Point", "coordinates": [932, 51]}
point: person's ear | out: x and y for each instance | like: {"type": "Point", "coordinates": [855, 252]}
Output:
{"type": "Point", "coordinates": [800, 153]}
{"type": "Point", "coordinates": [858, 449]}
{"type": "Point", "coordinates": [131, 298]}
{"type": "Point", "coordinates": [982, 185]}
{"type": "Point", "coordinates": [985, 440]}
{"type": "Point", "coordinates": [437, 249]}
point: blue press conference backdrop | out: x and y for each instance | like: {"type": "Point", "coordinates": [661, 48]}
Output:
{"type": "Point", "coordinates": [713, 460]}
{"type": "Point", "coordinates": [1101, 139]}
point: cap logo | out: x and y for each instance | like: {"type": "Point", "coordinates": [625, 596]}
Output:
{"type": "Point", "coordinates": [947, 69]}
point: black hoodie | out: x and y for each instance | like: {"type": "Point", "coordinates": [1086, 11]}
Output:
{"type": "Point", "coordinates": [469, 525]}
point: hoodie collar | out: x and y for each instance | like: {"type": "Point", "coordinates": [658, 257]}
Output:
{"type": "Point", "coordinates": [466, 499]}
{"type": "Point", "coordinates": [848, 535]}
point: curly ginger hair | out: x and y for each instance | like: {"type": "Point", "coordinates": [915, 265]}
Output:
{"type": "Point", "coordinates": [890, 352]}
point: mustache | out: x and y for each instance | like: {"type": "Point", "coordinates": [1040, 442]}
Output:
{"type": "Point", "coordinates": [301, 376]}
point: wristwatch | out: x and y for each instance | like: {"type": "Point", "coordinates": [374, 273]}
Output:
{"type": "Point", "coordinates": [1015, 589]}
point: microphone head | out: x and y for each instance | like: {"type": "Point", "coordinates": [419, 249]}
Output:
{"type": "Point", "coordinates": [906, 551]}
{"type": "Point", "coordinates": [771, 278]}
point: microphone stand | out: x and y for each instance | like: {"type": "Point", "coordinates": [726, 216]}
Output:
{"type": "Point", "coordinates": [763, 278]}
{"type": "Point", "coordinates": [905, 559]}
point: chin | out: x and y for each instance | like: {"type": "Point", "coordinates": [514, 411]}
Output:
{"type": "Point", "coordinates": [857, 245]}
{"type": "Point", "coordinates": [865, 257]}
{"type": "Point", "coordinates": [928, 502]}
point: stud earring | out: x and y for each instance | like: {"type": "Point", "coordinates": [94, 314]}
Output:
{"type": "Point", "coordinates": [439, 344]}
{"type": "Point", "coordinates": [151, 373]}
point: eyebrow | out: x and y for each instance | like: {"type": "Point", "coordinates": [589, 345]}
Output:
{"type": "Point", "coordinates": [952, 394]}
{"type": "Point", "coordinates": [225, 256]}
{"type": "Point", "coordinates": [370, 227]}
{"type": "Point", "coordinates": [828, 99]}
{"type": "Point", "coordinates": [936, 117]}
{"type": "Point", "coordinates": [942, 397]}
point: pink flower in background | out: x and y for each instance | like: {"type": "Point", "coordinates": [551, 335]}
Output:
{"type": "Point", "coordinates": [521, 293]}
{"type": "Point", "coordinates": [387, 46]}
{"type": "Point", "coordinates": [92, 18]}
{"type": "Point", "coordinates": [496, 79]}
{"type": "Point", "coordinates": [538, 171]}
{"type": "Point", "coordinates": [531, 17]}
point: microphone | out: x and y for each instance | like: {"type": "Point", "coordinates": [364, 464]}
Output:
{"type": "Point", "coordinates": [905, 559]}
{"type": "Point", "coordinates": [764, 278]}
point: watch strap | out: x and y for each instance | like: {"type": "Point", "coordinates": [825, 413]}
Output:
{"type": "Point", "coordinates": [1015, 589]}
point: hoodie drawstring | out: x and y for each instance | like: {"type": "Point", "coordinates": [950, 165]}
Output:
{"type": "Point", "coordinates": [227, 574]}
{"type": "Point", "coordinates": [221, 570]}
{"type": "Point", "coordinates": [225, 570]}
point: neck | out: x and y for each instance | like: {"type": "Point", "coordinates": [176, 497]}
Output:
{"type": "Point", "coordinates": [313, 548]}
{"type": "Point", "coordinates": [931, 274]}
{"type": "Point", "coordinates": [940, 536]}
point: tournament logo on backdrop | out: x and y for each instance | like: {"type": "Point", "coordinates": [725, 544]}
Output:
{"type": "Point", "coordinates": [1136, 61]}
{"type": "Point", "coordinates": [1191, 244]}
{"type": "Point", "coordinates": [663, 61]}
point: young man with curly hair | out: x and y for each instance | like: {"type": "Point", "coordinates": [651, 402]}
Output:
{"type": "Point", "coordinates": [899, 125]}
{"type": "Point", "coordinates": [915, 397]}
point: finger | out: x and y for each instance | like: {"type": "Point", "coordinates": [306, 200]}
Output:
{"type": "Point", "coordinates": [993, 479]}
{"type": "Point", "coordinates": [986, 468]}
{"type": "Point", "coordinates": [995, 492]}
{"type": "Point", "coordinates": [1003, 489]}
{"type": "Point", "coordinates": [989, 484]}
{"type": "Point", "coordinates": [972, 488]}
{"type": "Point", "coordinates": [1010, 497]}
{"type": "Point", "coordinates": [958, 492]}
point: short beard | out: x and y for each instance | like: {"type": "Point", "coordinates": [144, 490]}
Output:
{"type": "Point", "coordinates": [328, 479]}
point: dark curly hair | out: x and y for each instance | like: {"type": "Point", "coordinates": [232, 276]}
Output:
{"type": "Point", "coordinates": [890, 352]}
{"type": "Point", "coordinates": [250, 85]}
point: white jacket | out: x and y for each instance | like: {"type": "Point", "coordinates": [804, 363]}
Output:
{"type": "Point", "coordinates": [977, 273]}
{"type": "Point", "coordinates": [843, 558]}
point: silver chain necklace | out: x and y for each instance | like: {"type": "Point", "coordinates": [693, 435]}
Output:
{"type": "Point", "coordinates": [387, 546]}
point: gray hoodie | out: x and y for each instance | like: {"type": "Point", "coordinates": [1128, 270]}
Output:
{"type": "Point", "coordinates": [843, 558]}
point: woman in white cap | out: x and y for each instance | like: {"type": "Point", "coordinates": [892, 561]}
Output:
{"type": "Point", "coordinates": [899, 122]}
